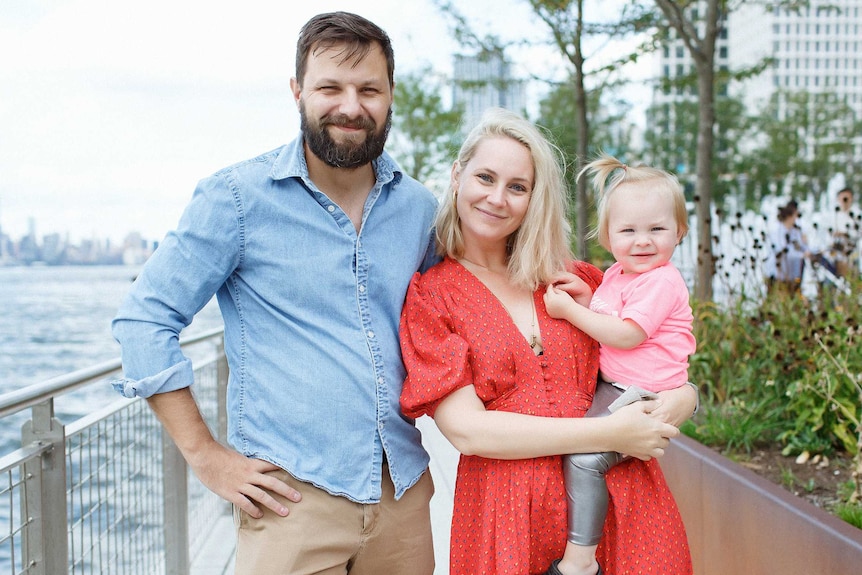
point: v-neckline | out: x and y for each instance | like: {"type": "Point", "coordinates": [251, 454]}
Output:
{"type": "Point", "coordinates": [512, 324]}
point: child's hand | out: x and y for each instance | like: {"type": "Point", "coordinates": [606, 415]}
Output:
{"type": "Point", "coordinates": [557, 302]}
{"type": "Point", "coordinates": [575, 287]}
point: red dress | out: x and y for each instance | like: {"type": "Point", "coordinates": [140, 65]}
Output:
{"type": "Point", "coordinates": [509, 516]}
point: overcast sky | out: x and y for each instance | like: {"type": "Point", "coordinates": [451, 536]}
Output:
{"type": "Point", "coordinates": [111, 111]}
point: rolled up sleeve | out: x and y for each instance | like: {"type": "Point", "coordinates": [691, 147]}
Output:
{"type": "Point", "coordinates": [179, 279]}
{"type": "Point", "coordinates": [175, 377]}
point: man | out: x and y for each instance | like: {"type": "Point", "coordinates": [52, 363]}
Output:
{"type": "Point", "coordinates": [309, 249]}
{"type": "Point", "coordinates": [845, 233]}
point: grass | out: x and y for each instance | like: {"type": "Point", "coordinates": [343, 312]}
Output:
{"type": "Point", "coordinates": [849, 512]}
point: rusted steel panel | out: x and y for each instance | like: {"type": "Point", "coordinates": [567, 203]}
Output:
{"type": "Point", "coordinates": [739, 522]}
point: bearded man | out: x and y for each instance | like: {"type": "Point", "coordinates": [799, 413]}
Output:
{"type": "Point", "coordinates": [309, 249]}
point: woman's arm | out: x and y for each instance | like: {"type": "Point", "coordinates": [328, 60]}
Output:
{"type": "Point", "coordinates": [473, 430]}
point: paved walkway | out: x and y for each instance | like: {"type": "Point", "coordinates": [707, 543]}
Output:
{"type": "Point", "coordinates": [217, 555]}
{"type": "Point", "coordinates": [444, 463]}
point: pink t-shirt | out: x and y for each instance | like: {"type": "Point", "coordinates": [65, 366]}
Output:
{"type": "Point", "coordinates": [658, 302]}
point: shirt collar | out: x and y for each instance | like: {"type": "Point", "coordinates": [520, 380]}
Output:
{"type": "Point", "coordinates": [291, 163]}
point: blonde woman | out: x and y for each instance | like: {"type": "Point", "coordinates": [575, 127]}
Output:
{"type": "Point", "coordinates": [508, 385]}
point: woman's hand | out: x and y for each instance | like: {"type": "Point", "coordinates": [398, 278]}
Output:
{"type": "Point", "coordinates": [677, 405]}
{"type": "Point", "coordinates": [638, 433]}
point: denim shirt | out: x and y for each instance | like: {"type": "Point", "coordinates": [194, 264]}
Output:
{"type": "Point", "coordinates": [311, 311]}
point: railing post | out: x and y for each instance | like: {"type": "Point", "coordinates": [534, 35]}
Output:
{"type": "Point", "coordinates": [45, 544]}
{"type": "Point", "coordinates": [176, 508]}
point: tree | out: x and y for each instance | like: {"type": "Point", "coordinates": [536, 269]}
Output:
{"type": "Point", "coordinates": [672, 137]}
{"type": "Point", "coordinates": [425, 135]}
{"type": "Point", "coordinates": [806, 139]}
{"type": "Point", "coordinates": [699, 37]}
{"type": "Point", "coordinates": [698, 24]}
{"type": "Point", "coordinates": [609, 132]}
{"type": "Point", "coordinates": [569, 29]}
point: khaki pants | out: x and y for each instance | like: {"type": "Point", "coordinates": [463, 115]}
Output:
{"type": "Point", "coordinates": [329, 535]}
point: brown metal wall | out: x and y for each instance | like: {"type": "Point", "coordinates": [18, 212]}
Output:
{"type": "Point", "coordinates": [739, 523]}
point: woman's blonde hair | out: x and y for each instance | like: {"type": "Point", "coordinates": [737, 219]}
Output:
{"type": "Point", "coordinates": [609, 173]}
{"type": "Point", "coordinates": [540, 246]}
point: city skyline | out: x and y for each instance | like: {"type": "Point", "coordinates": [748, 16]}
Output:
{"type": "Point", "coordinates": [33, 227]}
{"type": "Point", "coordinates": [53, 248]}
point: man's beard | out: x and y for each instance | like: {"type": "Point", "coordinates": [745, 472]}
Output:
{"type": "Point", "coordinates": [347, 155]}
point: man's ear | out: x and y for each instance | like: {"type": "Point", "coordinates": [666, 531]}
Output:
{"type": "Point", "coordinates": [296, 89]}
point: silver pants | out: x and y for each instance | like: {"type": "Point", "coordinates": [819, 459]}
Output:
{"type": "Point", "coordinates": [587, 494]}
{"type": "Point", "coordinates": [584, 473]}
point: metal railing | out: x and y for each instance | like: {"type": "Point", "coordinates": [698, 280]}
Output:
{"type": "Point", "coordinates": [109, 492]}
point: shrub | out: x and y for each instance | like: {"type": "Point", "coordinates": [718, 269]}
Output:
{"type": "Point", "coordinates": [781, 366]}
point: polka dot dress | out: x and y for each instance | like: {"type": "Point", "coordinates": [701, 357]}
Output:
{"type": "Point", "coordinates": [509, 516]}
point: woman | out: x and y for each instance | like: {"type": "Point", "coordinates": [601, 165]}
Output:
{"type": "Point", "coordinates": [789, 251]}
{"type": "Point", "coordinates": [508, 385]}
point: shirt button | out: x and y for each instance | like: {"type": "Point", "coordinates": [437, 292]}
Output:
{"type": "Point", "coordinates": [370, 334]}
{"type": "Point", "coordinates": [331, 209]}
{"type": "Point", "coordinates": [361, 288]}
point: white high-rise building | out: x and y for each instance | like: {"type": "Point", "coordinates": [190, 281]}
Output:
{"type": "Point", "coordinates": [485, 81]}
{"type": "Point", "coordinates": [814, 49]}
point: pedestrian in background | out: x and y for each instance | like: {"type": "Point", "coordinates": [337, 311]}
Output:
{"type": "Point", "coordinates": [788, 252]}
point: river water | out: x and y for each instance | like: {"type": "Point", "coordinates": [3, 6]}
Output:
{"type": "Point", "coordinates": [54, 320]}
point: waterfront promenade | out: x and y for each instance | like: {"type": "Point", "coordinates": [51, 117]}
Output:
{"type": "Point", "coordinates": [109, 493]}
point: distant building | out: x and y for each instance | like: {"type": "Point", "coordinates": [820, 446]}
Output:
{"type": "Point", "coordinates": [813, 49]}
{"type": "Point", "coordinates": [136, 250]}
{"type": "Point", "coordinates": [53, 249]}
{"type": "Point", "coordinates": [485, 81]}
{"type": "Point", "coordinates": [5, 249]}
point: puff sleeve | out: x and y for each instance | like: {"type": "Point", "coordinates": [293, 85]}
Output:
{"type": "Point", "coordinates": [587, 272]}
{"type": "Point", "coordinates": [436, 357]}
